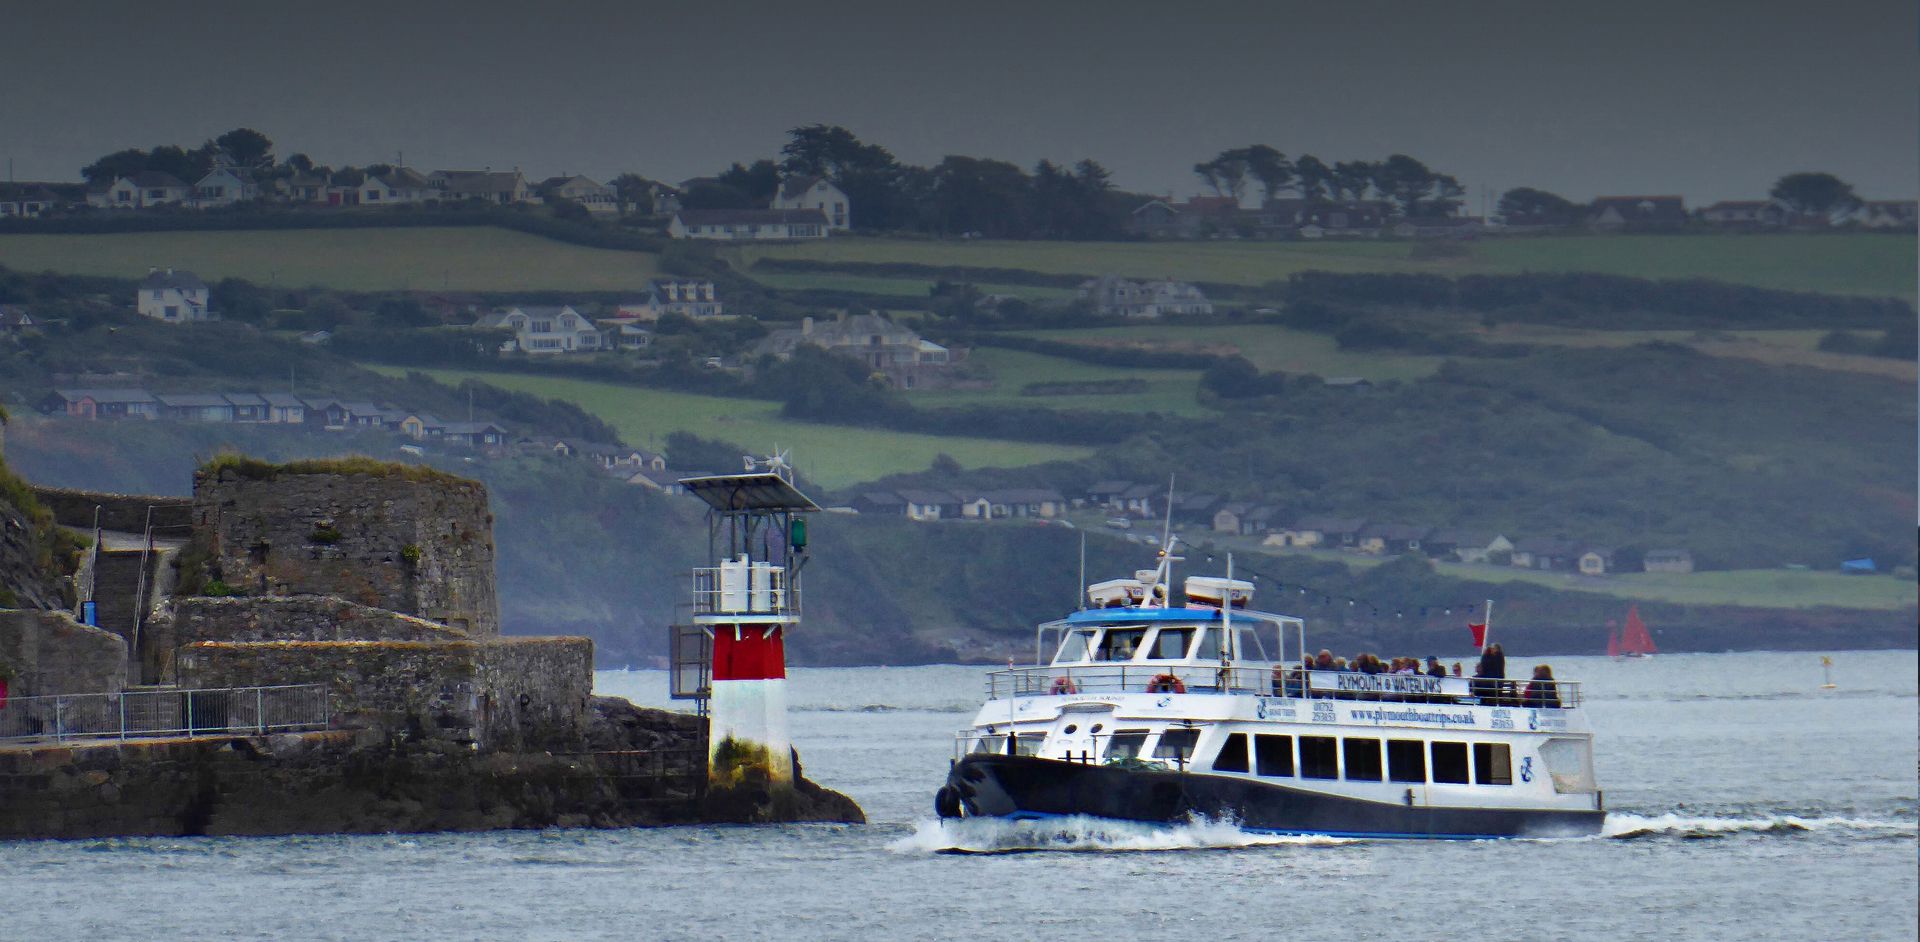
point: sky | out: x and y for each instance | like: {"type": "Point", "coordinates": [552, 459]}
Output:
{"type": "Point", "coordinates": [1704, 98]}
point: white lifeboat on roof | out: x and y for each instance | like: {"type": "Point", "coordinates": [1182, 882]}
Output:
{"type": "Point", "coordinates": [1214, 591]}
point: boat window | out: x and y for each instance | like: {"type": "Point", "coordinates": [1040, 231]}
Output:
{"type": "Point", "coordinates": [1171, 644]}
{"type": "Point", "coordinates": [1119, 644]}
{"type": "Point", "coordinates": [1126, 744]}
{"type": "Point", "coordinates": [1247, 646]}
{"type": "Point", "coordinates": [1492, 763]}
{"type": "Point", "coordinates": [1177, 743]}
{"type": "Point", "coordinates": [1074, 646]}
{"type": "Point", "coordinates": [1274, 755]}
{"type": "Point", "coordinates": [1028, 744]}
{"type": "Point", "coordinates": [1233, 754]}
{"type": "Point", "coordinates": [1363, 759]}
{"type": "Point", "coordinates": [990, 744]}
{"type": "Point", "coordinates": [1209, 649]}
{"type": "Point", "coordinates": [1406, 761]}
{"type": "Point", "coordinates": [1450, 763]}
{"type": "Point", "coordinates": [1319, 757]}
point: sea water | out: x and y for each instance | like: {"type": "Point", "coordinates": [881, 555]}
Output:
{"type": "Point", "coordinates": [1745, 803]}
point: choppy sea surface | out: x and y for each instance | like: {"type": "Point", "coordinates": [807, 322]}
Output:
{"type": "Point", "coordinates": [1746, 803]}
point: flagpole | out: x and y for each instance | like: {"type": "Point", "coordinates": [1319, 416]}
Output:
{"type": "Point", "coordinates": [1486, 635]}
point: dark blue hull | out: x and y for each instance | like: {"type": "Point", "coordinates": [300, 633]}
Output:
{"type": "Point", "coordinates": [1004, 786]}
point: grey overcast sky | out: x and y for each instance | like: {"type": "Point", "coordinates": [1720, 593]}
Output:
{"type": "Point", "coordinates": [1705, 98]}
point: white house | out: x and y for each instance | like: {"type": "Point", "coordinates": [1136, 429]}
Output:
{"type": "Point", "coordinates": [25, 200]}
{"type": "Point", "coordinates": [814, 193]}
{"type": "Point", "coordinates": [173, 296]}
{"type": "Point", "coordinates": [224, 186]}
{"type": "Point", "coordinates": [1118, 297]}
{"type": "Point", "coordinates": [143, 190]}
{"type": "Point", "coordinates": [503, 187]}
{"type": "Point", "coordinates": [598, 198]}
{"type": "Point", "coordinates": [748, 225]}
{"type": "Point", "coordinates": [690, 296]}
{"type": "Point", "coordinates": [544, 329]}
{"type": "Point", "coordinates": [394, 188]}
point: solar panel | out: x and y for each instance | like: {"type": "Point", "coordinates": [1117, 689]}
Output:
{"type": "Point", "coordinates": [753, 491]}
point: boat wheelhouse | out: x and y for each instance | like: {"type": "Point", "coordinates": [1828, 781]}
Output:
{"type": "Point", "coordinates": [1149, 712]}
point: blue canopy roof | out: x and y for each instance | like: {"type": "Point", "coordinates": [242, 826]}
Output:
{"type": "Point", "coordinates": [1135, 616]}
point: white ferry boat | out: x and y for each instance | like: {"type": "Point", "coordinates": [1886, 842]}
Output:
{"type": "Point", "coordinates": [1149, 712]}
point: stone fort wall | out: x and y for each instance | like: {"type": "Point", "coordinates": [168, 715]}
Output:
{"type": "Point", "coordinates": [47, 652]}
{"type": "Point", "coordinates": [419, 545]}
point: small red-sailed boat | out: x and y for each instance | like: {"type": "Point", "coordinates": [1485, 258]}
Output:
{"type": "Point", "coordinates": [1632, 640]}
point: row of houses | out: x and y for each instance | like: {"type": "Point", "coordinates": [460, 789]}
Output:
{"type": "Point", "coordinates": [547, 329]}
{"type": "Point", "coordinates": [226, 185]}
{"type": "Point", "coordinates": [1112, 296]}
{"type": "Point", "coordinates": [268, 408]}
{"type": "Point", "coordinates": [930, 504]}
{"type": "Point", "coordinates": [1275, 529]}
{"type": "Point", "coordinates": [1208, 216]}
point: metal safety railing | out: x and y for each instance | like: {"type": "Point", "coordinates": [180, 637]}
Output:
{"type": "Point", "coordinates": [134, 714]}
{"type": "Point", "coordinates": [1279, 681]}
{"type": "Point", "coordinates": [759, 590]}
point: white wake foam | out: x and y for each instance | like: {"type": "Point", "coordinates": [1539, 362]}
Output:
{"type": "Point", "coordinates": [1632, 825]}
{"type": "Point", "coordinates": [1083, 835]}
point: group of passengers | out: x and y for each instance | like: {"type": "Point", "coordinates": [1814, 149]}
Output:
{"type": "Point", "coordinates": [1488, 686]}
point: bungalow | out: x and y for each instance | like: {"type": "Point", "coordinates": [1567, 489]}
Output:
{"type": "Point", "coordinates": [394, 188]}
{"type": "Point", "coordinates": [247, 407]}
{"type": "Point", "coordinates": [1041, 503]}
{"type": "Point", "coordinates": [26, 200]}
{"type": "Point", "coordinates": [1139, 500]}
{"type": "Point", "coordinates": [284, 408]}
{"type": "Point", "coordinates": [420, 426]}
{"type": "Point", "coordinates": [748, 225]}
{"type": "Point", "coordinates": [544, 329]}
{"type": "Point", "coordinates": [1106, 494]}
{"type": "Point", "coordinates": [1544, 554]}
{"type": "Point", "coordinates": [930, 505]}
{"type": "Point", "coordinates": [1194, 218]}
{"type": "Point", "coordinates": [143, 190]}
{"type": "Point", "coordinates": [307, 188]}
{"type": "Point", "coordinates": [1596, 561]}
{"type": "Point", "coordinates": [328, 413]}
{"type": "Point", "coordinates": [1227, 518]}
{"type": "Point", "coordinates": [1667, 560]}
{"type": "Point", "coordinates": [597, 198]}
{"type": "Point", "coordinates": [500, 187]}
{"type": "Point", "coordinates": [173, 296]}
{"type": "Point", "coordinates": [814, 193]}
{"type": "Point", "coordinates": [1317, 219]}
{"type": "Point", "coordinates": [907, 360]}
{"type": "Point", "coordinates": [1614, 213]}
{"type": "Point", "coordinates": [102, 403]}
{"type": "Point", "coordinates": [879, 502]}
{"type": "Point", "coordinates": [474, 434]}
{"type": "Point", "coordinates": [194, 407]}
{"type": "Point", "coordinates": [1311, 532]}
{"type": "Point", "coordinates": [1196, 508]}
{"type": "Point", "coordinates": [1390, 539]}
{"type": "Point", "coordinates": [1746, 214]}
{"type": "Point", "coordinates": [224, 186]}
{"type": "Point", "coordinates": [362, 414]}
{"type": "Point", "coordinates": [661, 480]}
{"type": "Point", "coordinates": [1439, 227]}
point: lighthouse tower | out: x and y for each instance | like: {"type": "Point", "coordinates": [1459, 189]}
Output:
{"type": "Point", "coordinates": [745, 600]}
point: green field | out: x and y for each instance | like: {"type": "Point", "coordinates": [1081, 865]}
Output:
{"type": "Point", "coordinates": [1840, 263]}
{"type": "Point", "coordinates": [1268, 347]}
{"type": "Point", "coordinates": [916, 288]}
{"type": "Point", "coordinates": [1170, 391]}
{"type": "Point", "coordinates": [1760, 588]}
{"type": "Point", "coordinates": [830, 455]}
{"type": "Point", "coordinates": [468, 258]}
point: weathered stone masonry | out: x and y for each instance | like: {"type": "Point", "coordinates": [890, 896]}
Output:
{"type": "Point", "coordinates": [418, 547]}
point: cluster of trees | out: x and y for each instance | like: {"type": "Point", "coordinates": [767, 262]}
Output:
{"type": "Point", "coordinates": [244, 148]}
{"type": "Point", "coordinates": [958, 196]}
{"type": "Point", "coordinates": [1410, 185]}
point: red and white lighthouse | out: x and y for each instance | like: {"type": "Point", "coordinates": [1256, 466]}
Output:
{"type": "Point", "coordinates": [745, 601]}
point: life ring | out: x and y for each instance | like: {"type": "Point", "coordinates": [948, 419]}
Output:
{"type": "Point", "coordinates": [1065, 685]}
{"type": "Point", "coordinates": [1166, 683]}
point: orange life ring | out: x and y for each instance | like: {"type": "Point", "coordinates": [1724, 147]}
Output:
{"type": "Point", "coordinates": [1166, 683]}
{"type": "Point", "coordinates": [1065, 685]}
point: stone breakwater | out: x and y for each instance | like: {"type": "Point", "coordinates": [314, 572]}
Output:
{"type": "Point", "coordinates": [640, 767]}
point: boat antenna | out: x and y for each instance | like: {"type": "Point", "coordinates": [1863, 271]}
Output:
{"type": "Point", "coordinates": [1166, 528]}
{"type": "Point", "coordinates": [1080, 593]}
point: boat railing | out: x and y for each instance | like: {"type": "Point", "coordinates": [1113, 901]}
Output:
{"type": "Point", "coordinates": [1278, 681]}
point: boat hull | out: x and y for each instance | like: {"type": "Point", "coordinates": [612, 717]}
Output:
{"type": "Point", "coordinates": [988, 785]}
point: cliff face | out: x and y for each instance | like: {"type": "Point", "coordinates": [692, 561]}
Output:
{"type": "Point", "coordinates": [26, 576]}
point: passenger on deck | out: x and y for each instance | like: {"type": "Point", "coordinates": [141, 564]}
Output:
{"type": "Point", "coordinates": [1406, 665]}
{"type": "Point", "coordinates": [1434, 669]}
{"type": "Point", "coordinates": [1542, 693]}
{"type": "Point", "coordinates": [1488, 676]}
{"type": "Point", "coordinates": [1323, 661]}
{"type": "Point", "coordinates": [1456, 668]}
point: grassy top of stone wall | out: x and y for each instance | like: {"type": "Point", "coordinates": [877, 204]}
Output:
{"type": "Point", "coordinates": [258, 470]}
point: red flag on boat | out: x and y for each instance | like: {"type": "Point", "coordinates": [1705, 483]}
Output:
{"type": "Point", "coordinates": [1479, 633]}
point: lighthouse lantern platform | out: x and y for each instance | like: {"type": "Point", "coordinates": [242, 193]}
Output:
{"type": "Point", "coordinates": [744, 601]}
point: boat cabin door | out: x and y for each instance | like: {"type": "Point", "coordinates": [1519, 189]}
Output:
{"type": "Point", "coordinates": [1080, 732]}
